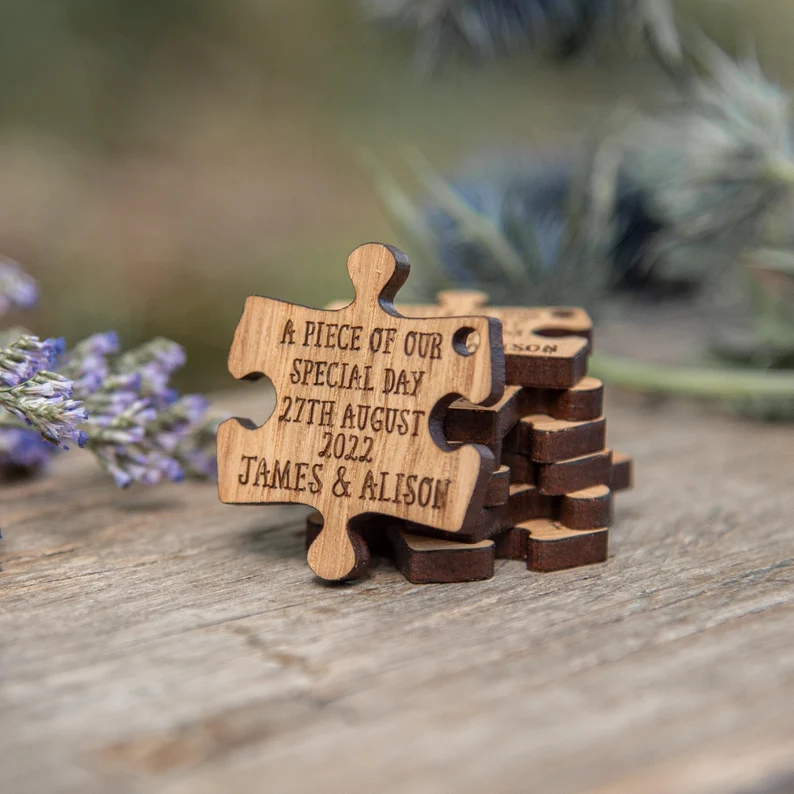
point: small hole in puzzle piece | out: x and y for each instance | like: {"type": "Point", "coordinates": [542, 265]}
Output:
{"type": "Point", "coordinates": [466, 341]}
{"type": "Point", "coordinates": [563, 313]}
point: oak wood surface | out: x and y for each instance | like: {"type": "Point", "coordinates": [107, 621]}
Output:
{"type": "Point", "coordinates": [158, 641]}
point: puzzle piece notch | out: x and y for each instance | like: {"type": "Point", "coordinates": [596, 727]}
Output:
{"type": "Point", "coordinates": [360, 390]}
{"type": "Point", "coordinates": [545, 347]}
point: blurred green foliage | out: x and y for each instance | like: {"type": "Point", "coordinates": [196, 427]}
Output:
{"type": "Point", "coordinates": [161, 160]}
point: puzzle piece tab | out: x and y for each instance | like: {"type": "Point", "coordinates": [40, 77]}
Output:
{"type": "Point", "coordinates": [548, 546]}
{"type": "Point", "coordinates": [357, 427]}
{"type": "Point", "coordinates": [546, 440]}
{"type": "Point", "coordinates": [424, 560]}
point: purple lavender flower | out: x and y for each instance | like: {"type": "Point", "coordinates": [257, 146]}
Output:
{"type": "Point", "coordinates": [26, 356]}
{"type": "Point", "coordinates": [155, 361]}
{"type": "Point", "coordinates": [17, 288]}
{"type": "Point", "coordinates": [44, 403]}
{"type": "Point", "coordinates": [87, 365]}
{"type": "Point", "coordinates": [119, 406]}
{"type": "Point", "coordinates": [197, 451]}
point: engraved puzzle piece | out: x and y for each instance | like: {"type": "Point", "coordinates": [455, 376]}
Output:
{"type": "Point", "coordinates": [545, 347]}
{"type": "Point", "coordinates": [361, 392]}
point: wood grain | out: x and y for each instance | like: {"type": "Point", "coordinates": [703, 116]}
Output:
{"type": "Point", "coordinates": [361, 392]}
{"type": "Point", "coordinates": [159, 642]}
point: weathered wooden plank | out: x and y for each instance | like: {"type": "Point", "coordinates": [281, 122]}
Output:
{"type": "Point", "coordinates": [158, 641]}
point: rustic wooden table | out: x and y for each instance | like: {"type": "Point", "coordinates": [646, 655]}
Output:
{"type": "Point", "coordinates": [158, 641]}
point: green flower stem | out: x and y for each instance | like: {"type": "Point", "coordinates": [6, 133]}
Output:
{"type": "Point", "coordinates": [691, 381]}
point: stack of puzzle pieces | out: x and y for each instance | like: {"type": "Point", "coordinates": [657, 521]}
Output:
{"type": "Point", "coordinates": [549, 500]}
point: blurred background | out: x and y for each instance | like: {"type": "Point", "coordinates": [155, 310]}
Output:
{"type": "Point", "coordinates": [162, 160]}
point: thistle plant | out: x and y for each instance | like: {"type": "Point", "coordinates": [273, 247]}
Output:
{"type": "Point", "coordinates": [719, 168]}
{"type": "Point", "coordinates": [695, 200]}
{"type": "Point", "coordinates": [558, 29]}
{"type": "Point", "coordinates": [119, 406]}
{"type": "Point", "coordinates": [528, 232]}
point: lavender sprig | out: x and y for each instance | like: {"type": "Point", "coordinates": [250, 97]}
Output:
{"type": "Point", "coordinates": [124, 410]}
{"type": "Point", "coordinates": [20, 360]}
{"type": "Point", "coordinates": [155, 362]}
{"type": "Point", "coordinates": [144, 444]}
{"type": "Point", "coordinates": [140, 429]}
{"type": "Point", "coordinates": [44, 403]}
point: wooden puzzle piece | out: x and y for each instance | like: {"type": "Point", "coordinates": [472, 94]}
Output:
{"type": "Point", "coordinates": [545, 347]}
{"type": "Point", "coordinates": [561, 477]}
{"type": "Point", "coordinates": [575, 474]}
{"type": "Point", "coordinates": [546, 440]}
{"type": "Point", "coordinates": [423, 560]}
{"type": "Point", "coordinates": [361, 396]}
{"type": "Point", "coordinates": [581, 402]}
{"type": "Point", "coordinates": [548, 546]}
{"type": "Point", "coordinates": [590, 508]}
{"type": "Point", "coordinates": [469, 423]}
{"type": "Point", "coordinates": [622, 471]}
